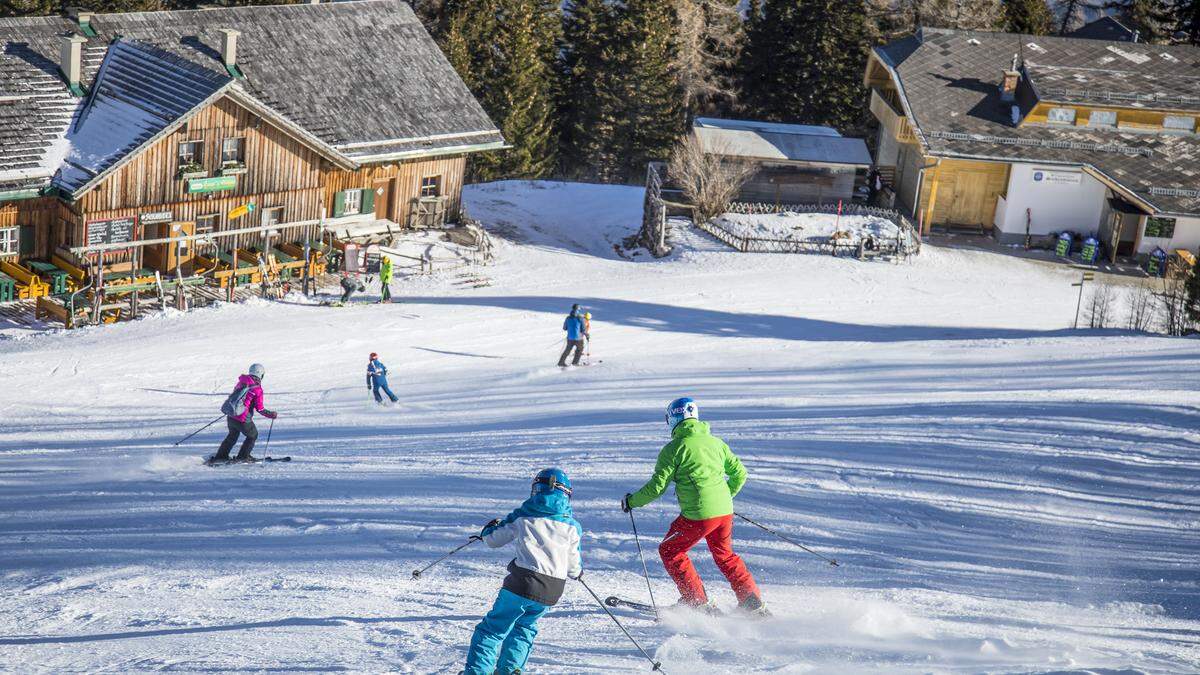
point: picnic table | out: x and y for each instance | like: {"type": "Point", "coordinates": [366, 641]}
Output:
{"type": "Point", "coordinates": [58, 278]}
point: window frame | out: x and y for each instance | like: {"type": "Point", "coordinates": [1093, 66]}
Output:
{"type": "Point", "coordinates": [216, 223]}
{"type": "Point", "coordinates": [10, 235]}
{"type": "Point", "coordinates": [436, 186]}
{"type": "Point", "coordinates": [352, 196]}
{"type": "Point", "coordinates": [196, 156]}
{"type": "Point", "coordinates": [1106, 125]}
{"type": "Point", "coordinates": [241, 150]}
{"type": "Point", "coordinates": [1190, 121]}
{"type": "Point", "coordinates": [1050, 116]}
{"type": "Point", "coordinates": [271, 209]}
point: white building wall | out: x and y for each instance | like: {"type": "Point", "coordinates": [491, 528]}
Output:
{"type": "Point", "coordinates": [1056, 200]}
{"type": "Point", "coordinates": [1187, 235]}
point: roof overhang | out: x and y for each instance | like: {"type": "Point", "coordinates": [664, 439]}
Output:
{"type": "Point", "coordinates": [431, 152]}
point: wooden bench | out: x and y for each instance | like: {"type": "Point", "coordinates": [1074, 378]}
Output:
{"type": "Point", "coordinates": [29, 285]}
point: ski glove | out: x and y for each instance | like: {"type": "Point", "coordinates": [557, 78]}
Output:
{"type": "Point", "coordinates": [625, 503]}
{"type": "Point", "coordinates": [270, 414]}
{"type": "Point", "coordinates": [495, 522]}
{"type": "Point", "coordinates": [577, 577]}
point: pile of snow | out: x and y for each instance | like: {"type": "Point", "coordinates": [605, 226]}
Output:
{"type": "Point", "coordinates": [816, 227]}
{"type": "Point", "coordinates": [1004, 495]}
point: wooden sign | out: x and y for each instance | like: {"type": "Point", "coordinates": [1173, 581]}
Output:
{"type": "Point", "coordinates": [114, 231]}
{"type": "Point", "coordinates": [239, 211]}
{"type": "Point", "coordinates": [214, 184]}
{"type": "Point", "coordinates": [156, 217]}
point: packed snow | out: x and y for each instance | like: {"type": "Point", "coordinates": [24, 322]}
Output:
{"type": "Point", "coordinates": [807, 226]}
{"type": "Point", "coordinates": [1004, 495]}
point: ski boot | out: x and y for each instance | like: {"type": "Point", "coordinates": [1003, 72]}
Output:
{"type": "Point", "coordinates": [753, 607]}
{"type": "Point", "coordinates": [707, 607]}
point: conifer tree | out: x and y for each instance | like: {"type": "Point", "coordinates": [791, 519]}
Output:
{"type": "Point", "coordinates": [1187, 20]}
{"type": "Point", "coordinates": [588, 106]}
{"type": "Point", "coordinates": [28, 7]}
{"type": "Point", "coordinates": [803, 62]}
{"type": "Point", "coordinates": [505, 52]}
{"type": "Point", "coordinates": [651, 115]}
{"type": "Point", "coordinates": [1150, 18]}
{"type": "Point", "coordinates": [1029, 17]}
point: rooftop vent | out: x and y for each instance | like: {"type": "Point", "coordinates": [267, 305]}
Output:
{"type": "Point", "coordinates": [83, 18]}
{"type": "Point", "coordinates": [1008, 86]}
{"type": "Point", "coordinates": [229, 44]}
{"type": "Point", "coordinates": [69, 62]}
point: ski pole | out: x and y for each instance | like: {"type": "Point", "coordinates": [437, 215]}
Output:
{"type": "Point", "coordinates": [831, 561]}
{"type": "Point", "coordinates": [198, 430]}
{"type": "Point", "coordinates": [645, 570]}
{"type": "Point", "coordinates": [270, 428]}
{"type": "Point", "coordinates": [656, 664]}
{"type": "Point", "coordinates": [474, 538]}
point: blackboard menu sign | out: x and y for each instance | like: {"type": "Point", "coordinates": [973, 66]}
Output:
{"type": "Point", "coordinates": [114, 231]}
{"type": "Point", "coordinates": [373, 261]}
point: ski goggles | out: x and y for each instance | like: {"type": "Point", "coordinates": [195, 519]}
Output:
{"type": "Point", "coordinates": [553, 484]}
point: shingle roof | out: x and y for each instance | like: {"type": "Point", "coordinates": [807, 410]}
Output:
{"type": "Point", "coordinates": [949, 85]}
{"type": "Point", "coordinates": [363, 77]}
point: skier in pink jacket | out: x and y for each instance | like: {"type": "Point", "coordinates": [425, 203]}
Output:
{"type": "Point", "coordinates": [239, 408]}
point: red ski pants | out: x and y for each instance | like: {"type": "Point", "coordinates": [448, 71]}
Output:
{"type": "Point", "coordinates": [718, 532]}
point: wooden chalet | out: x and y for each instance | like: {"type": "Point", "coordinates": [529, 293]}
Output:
{"type": "Point", "coordinates": [1025, 136]}
{"type": "Point", "coordinates": [169, 145]}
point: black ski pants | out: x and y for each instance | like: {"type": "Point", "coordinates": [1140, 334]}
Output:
{"type": "Point", "coordinates": [237, 428]}
{"type": "Point", "coordinates": [577, 345]}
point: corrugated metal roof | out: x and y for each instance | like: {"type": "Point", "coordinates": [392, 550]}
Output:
{"type": "Point", "coordinates": [774, 145]}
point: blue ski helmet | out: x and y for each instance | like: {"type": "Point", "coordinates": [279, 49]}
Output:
{"type": "Point", "coordinates": [549, 480]}
{"type": "Point", "coordinates": [682, 409]}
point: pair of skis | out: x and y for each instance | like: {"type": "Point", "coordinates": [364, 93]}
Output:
{"type": "Point", "coordinates": [257, 460]}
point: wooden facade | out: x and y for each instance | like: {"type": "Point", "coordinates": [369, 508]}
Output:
{"type": "Point", "coordinates": [276, 170]}
{"type": "Point", "coordinates": [961, 192]}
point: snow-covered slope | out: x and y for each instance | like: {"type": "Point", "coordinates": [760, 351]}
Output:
{"type": "Point", "coordinates": [1004, 495]}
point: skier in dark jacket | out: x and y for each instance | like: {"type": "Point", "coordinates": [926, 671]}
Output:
{"type": "Point", "coordinates": [349, 286]}
{"type": "Point", "coordinates": [246, 398]}
{"type": "Point", "coordinates": [576, 334]}
{"type": "Point", "coordinates": [377, 379]}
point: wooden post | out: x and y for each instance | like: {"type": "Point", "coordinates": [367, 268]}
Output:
{"type": "Point", "coordinates": [933, 190]}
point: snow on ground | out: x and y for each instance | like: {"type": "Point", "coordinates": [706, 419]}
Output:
{"type": "Point", "coordinates": [1005, 496]}
{"type": "Point", "coordinates": [807, 226]}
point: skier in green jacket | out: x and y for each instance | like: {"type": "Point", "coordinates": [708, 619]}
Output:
{"type": "Point", "coordinates": [385, 279]}
{"type": "Point", "coordinates": [707, 476]}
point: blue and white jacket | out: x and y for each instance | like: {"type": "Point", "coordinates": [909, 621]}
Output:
{"type": "Point", "coordinates": [548, 541]}
{"type": "Point", "coordinates": [376, 370]}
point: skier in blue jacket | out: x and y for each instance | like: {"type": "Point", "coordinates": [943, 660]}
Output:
{"type": "Point", "coordinates": [377, 379]}
{"type": "Point", "coordinates": [576, 333]}
{"type": "Point", "coordinates": [547, 538]}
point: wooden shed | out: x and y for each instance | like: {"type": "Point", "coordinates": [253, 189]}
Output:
{"type": "Point", "coordinates": [796, 164]}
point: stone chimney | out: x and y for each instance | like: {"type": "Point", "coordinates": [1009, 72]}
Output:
{"type": "Point", "coordinates": [1008, 86]}
{"type": "Point", "coordinates": [229, 40]}
{"type": "Point", "coordinates": [70, 60]}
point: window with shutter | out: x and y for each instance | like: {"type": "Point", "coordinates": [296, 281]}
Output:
{"type": "Point", "coordinates": [367, 200]}
{"type": "Point", "coordinates": [339, 205]}
{"type": "Point", "coordinates": [26, 239]}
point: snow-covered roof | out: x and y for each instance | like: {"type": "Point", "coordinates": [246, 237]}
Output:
{"type": "Point", "coordinates": [139, 93]}
{"type": "Point", "coordinates": [782, 142]}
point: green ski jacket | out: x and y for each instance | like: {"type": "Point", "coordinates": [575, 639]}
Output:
{"type": "Point", "coordinates": [698, 463]}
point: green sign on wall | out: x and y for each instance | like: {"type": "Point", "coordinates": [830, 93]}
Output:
{"type": "Point", "coordinates": [214, 184]}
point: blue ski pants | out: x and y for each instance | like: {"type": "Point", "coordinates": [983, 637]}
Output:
{"type": "Point", "coordinates": [503, 640]}
{"type": "Point", "coordinates": [380, 382]}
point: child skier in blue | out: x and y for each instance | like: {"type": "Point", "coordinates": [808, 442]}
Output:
{"type": "Point", "coordinates": [547, 539]}
{"type": "Point", "coordinates": [377, 379]}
